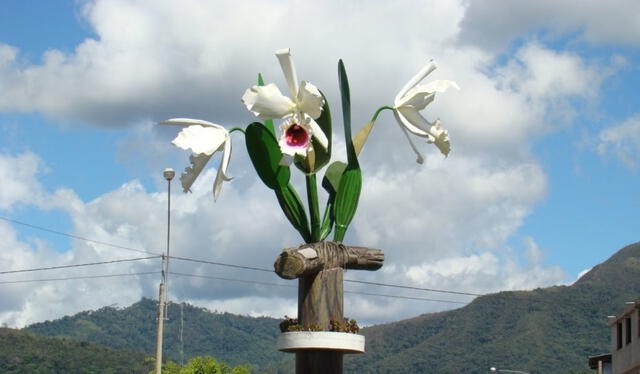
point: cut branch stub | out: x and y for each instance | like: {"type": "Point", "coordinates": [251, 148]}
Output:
{"type": "Point", "coordinates": [312, 258]}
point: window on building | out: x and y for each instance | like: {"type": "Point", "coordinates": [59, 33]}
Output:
{"type": "Point", "coordinates": [619, 334]}
{"type": "Point", "coordinates": [627, 328]}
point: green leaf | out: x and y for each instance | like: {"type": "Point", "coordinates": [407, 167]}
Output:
{"type": "Point", "coordinates": [350, 186]}
{"type": "Point", "coordinates": [294, 210]}
{"type": "Point", "coordinates": [331, 180]}
{"type": "Point", "coordinates": [265, 155]}
{"type": "Point", "coordinates": [347, 201]}
{"type": "Point", "coordinates": [329, 218]}
{"type": "Point", "coordinates": [268, 123]}
{"type": "Point", "coordinates": [320, 156]}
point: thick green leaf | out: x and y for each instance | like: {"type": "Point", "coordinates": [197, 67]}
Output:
{"type": "Point", "coordinates": [329, 218]}
{"type": "Point", "coordinates": [294, 210]}
{"type": "Point", "coordinates": [320, 156]}
{"type": "Point", "coordinates": [348, 192]}
{"type": "Point", "coordinates": [265, 155]}
{"type": "Point", "coordinates": [268, 123]}
{"type": "Point", "coordinates": [347, 201]}
{"type": "Point", "coordinates": [352, 158]}
{"type": "Point", "coordinates": [331, 180]}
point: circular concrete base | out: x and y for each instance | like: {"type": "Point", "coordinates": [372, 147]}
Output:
{"type": "Point", "coordinates": [338, 341]}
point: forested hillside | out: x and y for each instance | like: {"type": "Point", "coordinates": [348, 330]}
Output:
{"type": "Point", "coordinates": [22, 352]}
{"type": "Point", "coordinates": [551, 330]}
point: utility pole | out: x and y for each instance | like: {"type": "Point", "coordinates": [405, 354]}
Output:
{"type": "Point", "coordinates": [168, 175]}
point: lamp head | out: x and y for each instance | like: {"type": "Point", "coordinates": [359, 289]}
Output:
{"type": "Point", "coordinates": [169, 174]}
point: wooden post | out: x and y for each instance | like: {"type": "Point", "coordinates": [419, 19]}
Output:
{"type": "Point", "coordinates": [319, 269]}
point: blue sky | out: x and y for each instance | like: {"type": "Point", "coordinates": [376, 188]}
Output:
{"type": "Point", "coordinates": [540, 186]}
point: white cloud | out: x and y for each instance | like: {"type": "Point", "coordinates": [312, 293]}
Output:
{"type": "Point", "coordinates": [442, 225]}
{"type": "Point", "coordinates": [19, 181]}
{"type": "Point", "coordinates": [622, 141]}
{"type": "Point", "coordinates": [492, 24]}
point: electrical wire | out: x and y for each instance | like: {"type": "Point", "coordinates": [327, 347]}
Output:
{"type": "Point", "coordinates": [404, 297]}
{"type": "Point", "coordinates": [412, 287]}
{"type": "Point", "coordinates": [253, 268]}
{"type": "Point", "coordinates": [77, 265]}
{"type": "Point", "coordinates": [292, 286]}
{"type": "Point", "coordinates": [221, 264]}
{"type": "Point", "coordinates": [233, 280]}
{"type": "Point", "coordinates": [76, 236]}
{"type": "Point", "coordinates": [220, 278]}
{"type": "Point", "coordinates": [79, 277]}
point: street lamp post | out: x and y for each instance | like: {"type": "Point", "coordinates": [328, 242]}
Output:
{"type": "Point", "coordinates": [493, 369]}
{"type": "Point", "coordinates": [168, 175]}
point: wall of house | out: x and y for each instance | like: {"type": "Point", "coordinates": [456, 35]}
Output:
{"type": "Point", "coordinates": [625, 344]}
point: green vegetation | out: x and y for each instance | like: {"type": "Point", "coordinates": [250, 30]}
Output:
{"type": "Point", "coordinates": [231, 338]}
{"type": "Point", "coordinates": [551, 330]}
{"type": "Point", "coordinates": [203, 365]}
{"type": "Point", "coordinates": [27, 353]}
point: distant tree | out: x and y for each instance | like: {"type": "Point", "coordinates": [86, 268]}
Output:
{"type": "Point", "coordinates": [203, 365]}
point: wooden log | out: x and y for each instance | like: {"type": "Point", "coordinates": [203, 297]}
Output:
{"type": "Point", "coordinates": [320, 300]}
{"type": "Point", "coordinates": [319, 268]}
{"type": "Point", "coordinates": [311, 258]}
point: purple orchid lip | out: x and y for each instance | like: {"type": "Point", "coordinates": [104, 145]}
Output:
{"type": "Point", "coordinates": [296, 136]}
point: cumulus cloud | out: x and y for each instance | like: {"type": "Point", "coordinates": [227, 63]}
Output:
{"type": "Point", "coordinates": [442, 225]}
{"type": "Point", "coordinates": [621, 141]}
{"type": "Point", "coordinates": [493, 24]}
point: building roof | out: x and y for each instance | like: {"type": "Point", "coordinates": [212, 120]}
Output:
{"type": "Point", "coordinates": [629, 308]}
{"type": "Point", "coordinates": [593, 360]}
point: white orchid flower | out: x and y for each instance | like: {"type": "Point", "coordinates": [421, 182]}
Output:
{"type": "Point", "coordinates": [411, 99]}
{"type": "Point", "coordinates": [300, 111]}
{"type": "Point", "coordinates": [203, 139]}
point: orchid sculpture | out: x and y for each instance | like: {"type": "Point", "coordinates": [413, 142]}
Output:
{"type": "Point", "coordinates": [305, 140]}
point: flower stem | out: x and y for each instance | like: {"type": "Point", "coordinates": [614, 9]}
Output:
{"type": "Point", "coordinates": [377, 113]}
{"type": "Point", "coordinates": [236, 129]}
{"type": "Point", "coordinates": [314, 207]}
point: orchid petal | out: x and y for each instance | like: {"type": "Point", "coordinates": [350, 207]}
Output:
{"type": "Point", "coordinates": [309, 100]}
{"type": "Point", "coordinates": [288, 69]}
{"type": "Point", "coordinates": [222, 170]}
{"type": "Point", "coordinates": [267, 102]}
{"type": "Point", "coordinates": [422, 95]}
{"type": "Point", "coordinates": [317, 132]}
{"type": "Point", "coordinates": [440, 138]}
{"type": "Point", "coordinates": [413, 121]}
{"type": "Point", "coordinates": [419, 157]}
{"type": "Point", "coordinates": [189, 122]}
{"type": "Point", "coordinates": [426, 70]}
{"type": "Point", "coordinates": [200, 139]}
{"type": "Point", "coordinates": [190, 173]}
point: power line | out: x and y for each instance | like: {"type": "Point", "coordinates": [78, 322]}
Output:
{"type": "Point", "coordinates": [346, 280]}
{"type": "Point", "coordinates": [222, 264]}
{"type": "Point", "coordinates": [291, 286]}
{"type": "Point", "coordinates": [223, 279]}
{"type": "Point", "coordinates": [253, 268]}
{"type": "Point", "coordinates": [79, 277]}
{"type": "Point", "coordinates": [76, 236]}
{"type": "Point", "coordinates": [77, 265]}
{"type": "Point", "coordinates": [233, 280]}
{"type": "Point", "coordinates": [413, 288]}
{"type": "Point", "coordinates": [404, 297]}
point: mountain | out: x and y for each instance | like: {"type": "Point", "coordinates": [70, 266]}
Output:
{"type": "Point", "coordinates": [551, 330]}
{"type": "Point", "coordinates": [27, 353]}
{"type": "Point", "coordinates": [230, 338]}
